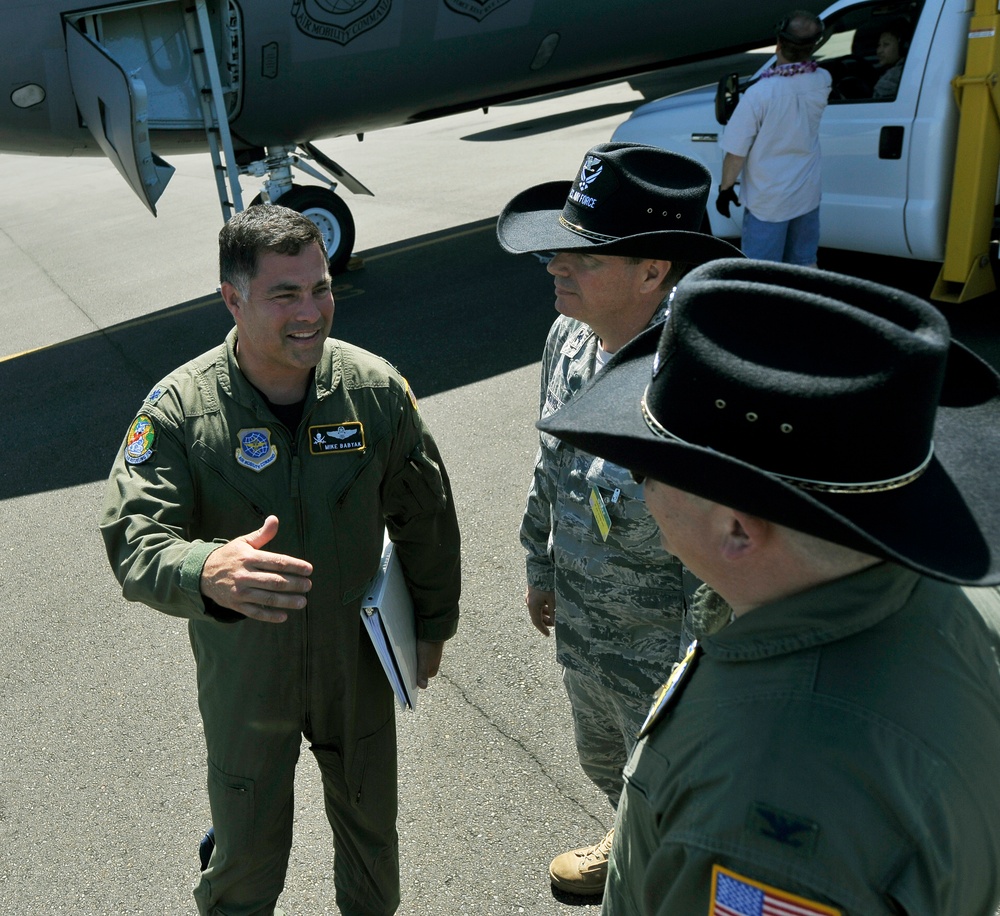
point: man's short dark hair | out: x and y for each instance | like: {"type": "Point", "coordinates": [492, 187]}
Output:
{"type": "Point", "coordinates": [258, 229]}
{"type": "Point", "coordinates": [799, 33]}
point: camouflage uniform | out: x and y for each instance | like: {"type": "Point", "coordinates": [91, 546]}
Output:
{"type": "Point", "coordinates": [620, 620]}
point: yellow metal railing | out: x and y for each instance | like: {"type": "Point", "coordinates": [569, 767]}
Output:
{"type": "Point", "coordinates": [967, 272]}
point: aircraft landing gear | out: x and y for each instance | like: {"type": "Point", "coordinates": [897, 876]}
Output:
{"type": "Point", "coordinates": [331, 215]}
{"type": "Point", "coordinates": [325, 208]}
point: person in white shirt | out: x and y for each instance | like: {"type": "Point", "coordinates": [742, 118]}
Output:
{"type": "Point", "coordinates": [772, 138]}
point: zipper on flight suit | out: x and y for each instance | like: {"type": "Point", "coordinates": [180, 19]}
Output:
{"type": "Point", "coordinates": [296, 497]}
{"type": "Point", "coordinates": [300, 522]}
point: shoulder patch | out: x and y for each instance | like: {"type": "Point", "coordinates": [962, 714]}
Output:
{"type": "Point", "coordinates": [411, 395]}
{"type": "Point", "coordinates": [139, 440]}
{"type": "Point", "coordinates": [736, 895]}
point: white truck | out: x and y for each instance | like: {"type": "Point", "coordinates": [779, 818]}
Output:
{"type": "Point", "coordinates": [914, 175]}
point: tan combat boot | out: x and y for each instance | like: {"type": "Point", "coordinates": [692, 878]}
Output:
{"type": "Point", "coordinates": [583, 871]}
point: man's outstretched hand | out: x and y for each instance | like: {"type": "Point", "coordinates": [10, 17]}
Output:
{"type": "Point", "coordinates": [245, 578]}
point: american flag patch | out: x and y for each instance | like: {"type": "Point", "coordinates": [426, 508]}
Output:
{"type": "Point", "coordinates": [734, 895]}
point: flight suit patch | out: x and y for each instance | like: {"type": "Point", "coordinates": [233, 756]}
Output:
{"type": "Point", "coordinates": [411, 395]}
{"type": "Point", "coordinates": [256, 451]}
{"type": "Point", "coordinates": [738, 895]}
{"type": "Point", "coordinates": [798, 833]}
{"type": "Point", "coordinates": [139, 440]}
{"type": "Point", "coordinates": [337, 437]}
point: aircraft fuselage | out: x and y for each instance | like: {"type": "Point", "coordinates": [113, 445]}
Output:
{"type": "Point", "coordinates": [301, 70]}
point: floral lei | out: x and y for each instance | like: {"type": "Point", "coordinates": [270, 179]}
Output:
{"type": "Point", "coordinates": [805, 66]}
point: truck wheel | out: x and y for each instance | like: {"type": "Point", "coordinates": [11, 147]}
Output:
{"type": "Point", "coordinates": [330, 214]}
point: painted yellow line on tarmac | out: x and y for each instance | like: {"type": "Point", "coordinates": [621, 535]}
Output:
{"type": "Point", "coordinates": [169, 312]}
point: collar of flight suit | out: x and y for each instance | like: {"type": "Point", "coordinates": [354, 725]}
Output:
{"type": "Point", "coordinates": [824, 614]}
{"type": "Point", "coordinates": [328, 374]}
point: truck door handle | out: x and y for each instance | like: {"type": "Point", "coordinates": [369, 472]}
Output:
{"type": "Point", "coordinates": [890, 143]}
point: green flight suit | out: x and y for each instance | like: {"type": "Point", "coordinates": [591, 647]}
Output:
{"type": "Point", "coordinates": [839, 746]}
{"type": "Point", "coordinates": [206, 462]}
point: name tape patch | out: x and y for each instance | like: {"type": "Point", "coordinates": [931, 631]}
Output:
{"type": "Point", "coordinates": [336, 438]}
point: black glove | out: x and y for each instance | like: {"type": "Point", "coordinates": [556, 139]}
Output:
{"type": "Point", "coordinates": [724, 199]}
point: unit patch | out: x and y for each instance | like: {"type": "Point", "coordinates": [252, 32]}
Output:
{"type": "Point", "coordinates": [139, 441]}
{"type": "Point", "coordinates": [735, 895]}
{"type": "Point", "coordinates": [336, 438]}
{"type": "Point", "coordinates": [256, 451]}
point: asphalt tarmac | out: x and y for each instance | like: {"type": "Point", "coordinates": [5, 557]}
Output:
{"type": "Point", "coordinates": [102, 768]}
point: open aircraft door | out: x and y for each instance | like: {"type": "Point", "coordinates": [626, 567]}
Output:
{"type": "Point", "coordinates": [158, 66]}
{"type": "Point", "coordinates": [114, 106]}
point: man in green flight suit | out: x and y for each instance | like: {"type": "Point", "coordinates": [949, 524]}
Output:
{"type": "Point", "coordinates": [250, 496]}
{"type": "Point", "coordinates": [821, 454]}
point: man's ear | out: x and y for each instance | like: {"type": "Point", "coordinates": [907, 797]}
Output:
{"type": "Point", "coordinates": [656, 270]}
{"type": "Point", "coordinates": [230, 297]}
{"type": "Point", "coordinates": [745, 535]}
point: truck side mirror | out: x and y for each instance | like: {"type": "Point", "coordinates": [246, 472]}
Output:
{"type": "Point", "coordinates": [726, 96]}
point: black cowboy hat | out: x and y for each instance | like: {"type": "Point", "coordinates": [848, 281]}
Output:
{"type": "Point", "coordinates": [833, 406]}
{"type": "Point", "coordinates": [627, 199]}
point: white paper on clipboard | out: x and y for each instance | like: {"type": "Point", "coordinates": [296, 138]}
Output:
{"type": "Point", "coordinates": [387, 612]}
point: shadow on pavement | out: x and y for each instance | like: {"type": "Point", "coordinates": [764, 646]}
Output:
{"type": "Point", "coordinates": [448, 309]}
{"type": "Point", "coordinates": [535, 126]}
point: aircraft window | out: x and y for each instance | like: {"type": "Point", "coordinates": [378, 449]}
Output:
{"type": "Point", "coordinates": [865, 50]}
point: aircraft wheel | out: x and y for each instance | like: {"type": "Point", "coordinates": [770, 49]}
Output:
{"type": "Point", "coordinates": [331, 215]}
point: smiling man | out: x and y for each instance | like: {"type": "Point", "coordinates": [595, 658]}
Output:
{"type": "Point", "coordinates": [623, 232]}
{"type": "Point", "coordinates": [250, 497]}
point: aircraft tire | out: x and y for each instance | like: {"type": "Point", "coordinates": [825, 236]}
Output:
{"type": "Point", "coordinates": [330, 214]}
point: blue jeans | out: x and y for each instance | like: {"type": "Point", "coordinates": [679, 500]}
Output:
{"type": "Point", "coordinates": [793, 241]}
